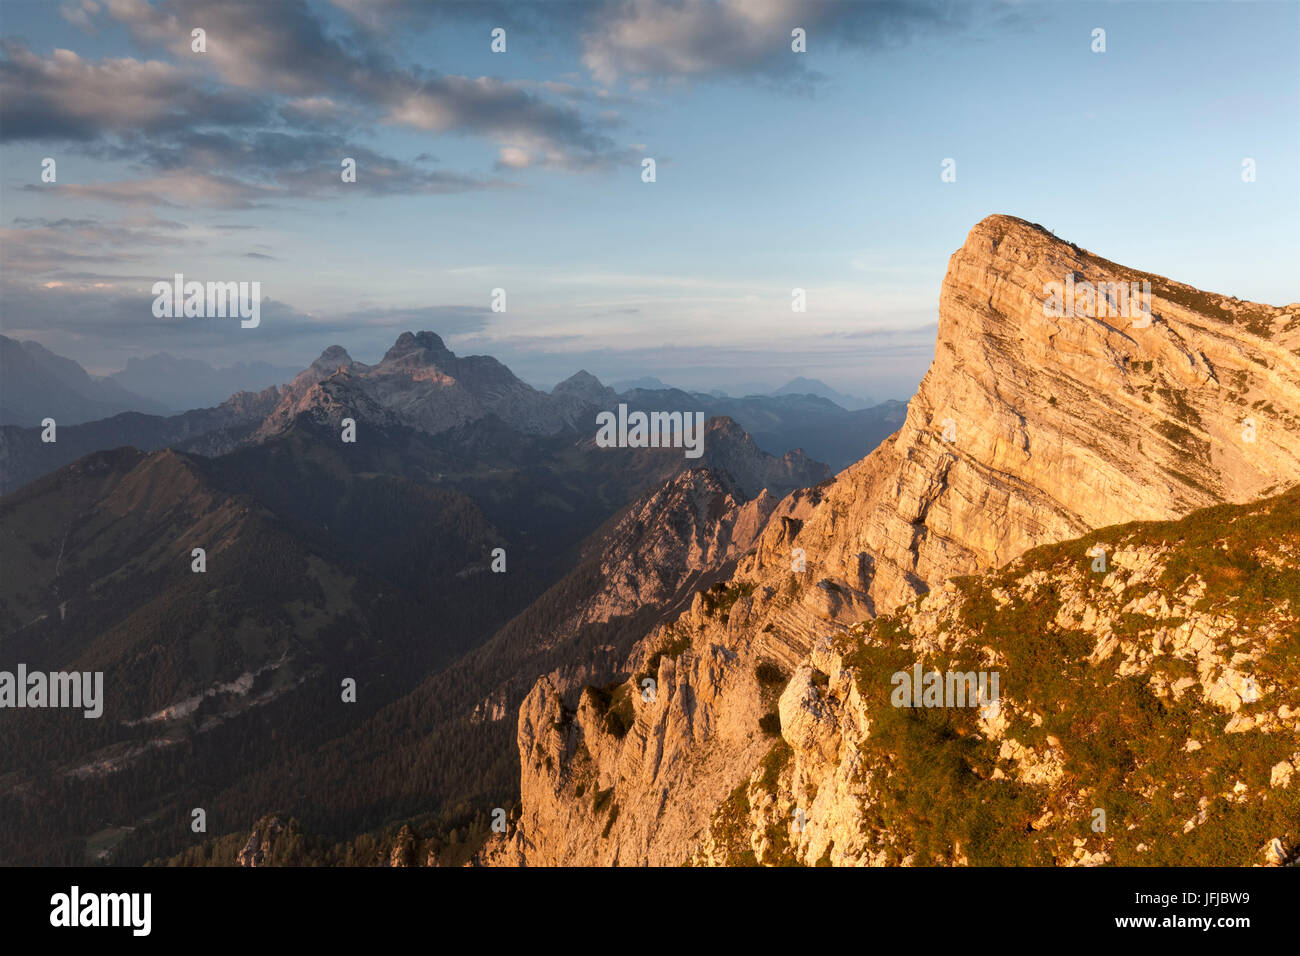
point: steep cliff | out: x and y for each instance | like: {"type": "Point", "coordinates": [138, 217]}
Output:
{"type": "Point", "coordinates": [1147, 712]}
{"type": "Point", "coordinates": [1032, 426]}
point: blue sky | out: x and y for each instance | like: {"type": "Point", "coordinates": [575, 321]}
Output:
{"type": "Point", "coordinates": [522, 171]}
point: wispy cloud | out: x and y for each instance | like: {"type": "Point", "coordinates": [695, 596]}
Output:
{"type": "Point", "coordinates": [687, 39]}
{"type": "Point", "coordinates": [284, 47]}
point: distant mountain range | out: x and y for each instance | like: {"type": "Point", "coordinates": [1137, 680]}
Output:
{"type": "Point", "coordinates": [796, 386]}
{"type": "Point", "coordinates": [39, 384]}
{"type": "Point", "coordinates": [811, 386]}
{"type": "Point", "coordinates": [36, 384]}
{"type": "Point", "coordinates": [180, 384]}
{"type": "Point", "coordinates": [645, 381]}
{"type": "Point", "coordinates": [419, 383]}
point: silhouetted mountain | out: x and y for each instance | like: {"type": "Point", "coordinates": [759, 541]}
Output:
{"type": "Point", "coordinates": [36, 384]}
{"type": "Point", "coordinates": [421, 384]}
{"type": "Point", "coordinates": [648, 382]}
{"type": "Point", "coordinates": [586, 388]}
{"type": "Point", "coordinates": [208, 675]}
{"type": "Point", "coordinates": [812, 386]}
{"type": "Point", "coordinates": [319, 566]}
{"type": "Point", "coordinates": [179, 384]}
{"type": "Point", "coordinates": [24, 456]}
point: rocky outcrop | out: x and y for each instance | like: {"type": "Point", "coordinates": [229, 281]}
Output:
{"type": "Point", "coordinates": [1029, 428]}
{"type": "Point", "coordinates": [403, 849]}
{"type": "Point", "coordinates": [327, 402]}
{"type": "Point", "coordinates": [258, 849]}
{"type": "Point", "coordinates": [729, 449]}
{"type": "Point", "coordinates": [1146, 714]}
{"type": "Point", "coordinates": [697, 522]}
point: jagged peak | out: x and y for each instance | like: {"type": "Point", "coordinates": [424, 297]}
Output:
{"type": "Point", "coordinates": [727, 426]}
{"type": "Point", "coordinates": [580, 378]}
{"type": "Point", "coordinates": [1033, 238]}
{"type": "Point", "coordinates": [423, 347]}
{"type": "Point", "coordinates": [1004, 222]}
{"type": "Point", "coordinates": [333, 357]}
{"type": "Point", "coordinates": [586, 387]}
{"type": "Point", "coordinates": [703, 478]}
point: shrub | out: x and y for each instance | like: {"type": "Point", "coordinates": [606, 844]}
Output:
{"type": "Point", "coordinates": [721, 597]}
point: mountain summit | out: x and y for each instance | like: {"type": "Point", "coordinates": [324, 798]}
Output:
{"type": "Point", "coordinates": [418, 348]}
{"type": "Point", "coordinates": [585, 387]}
{"type": "Point", "coordinates": [1030, 428]}
{"type": "Point", "coordinates": [419, 383]}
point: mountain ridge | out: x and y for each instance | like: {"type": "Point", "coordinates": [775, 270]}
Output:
{"type": "Point", "coordinates": [409, 387]}
{"type": "Point", "coordinates": [1056, 427]}
{"type": "Point", "coordinates": [36, 384]}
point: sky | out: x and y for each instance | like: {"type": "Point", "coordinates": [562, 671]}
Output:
{"type": "Point", "coordinates": [522, 170]}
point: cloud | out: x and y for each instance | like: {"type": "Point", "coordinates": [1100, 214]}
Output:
{"type": "Point", "coordinates": [540, 21]}
{"type": "Point", "coordinates": [251, 44]}
{"type": "Point", "coordinates": [285, 48]}
{"type": "Point", "coordinates": [41, 247]}
{"type": "Point", "coordinates": [258, 167]}
{"type": "Point", "coordinates": [101, 322]}
{"type": "Point", "coordinates": [500, 111]}
{"type": "Point", "coordinates": [65, 97]}
{"type": "Point", "coordinates": [174, 188]}
{"type": "Point", "coordinates": [110, 307]}
{"type": "Point", "coordinates": [513, 158]}
{"type": "Point", "coordinates": [275, 77]}
{"type": "Point", "coordinates": [686, 39]}
{"type": "Point", "coordinates": [81, 13]}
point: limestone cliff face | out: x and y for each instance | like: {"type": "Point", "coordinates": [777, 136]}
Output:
{"type": "Point", "coordinates": [1028, 429]}
{"type": "Point", "coordinates": [1147, 713]}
